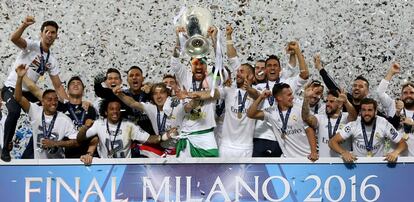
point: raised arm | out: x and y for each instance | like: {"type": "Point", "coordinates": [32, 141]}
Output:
{"type": "Point", "coordinates": [179, 70]}
{"type": "Point", "coordinates": [231, 51]}
{"type": "Point", "coordinates": [307, 117]}
{"type": "Point", "coordinates": [60, 90]}
{"type": "Point", "coordinates": [352, 113]}
{"type": "Point", "coordinates": [329, 82]}
{"type": "Point", "coordinates": [386, 101]}
{"type": "Point", "coordinates": [177, 47]}
{"type": "Point", "coordinates": [33, 88]}
{"type": "Point", "coordinates": [394, 69]}
{"type": "Point", "coordinates": [292, 58]}
{"type": "Point", "coordinates": [289, 71]}
{"type": "Point", "coordinates": [16, 37]}
{"type": "Point", "coordinates": [212, 33]}
{"type": "Point", "coordinates": [303, 67]}
{"type": "Point", "coordinates": [253, 112]}
{"type": "Point", "coordinates": [21, 71]}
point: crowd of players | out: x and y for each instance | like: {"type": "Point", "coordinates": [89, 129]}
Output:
{"type": "Point", "coordinates": [264, 110]}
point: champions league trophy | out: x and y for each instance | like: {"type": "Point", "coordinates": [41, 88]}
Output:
{"type": "Point", "coordinates": [197, 21]}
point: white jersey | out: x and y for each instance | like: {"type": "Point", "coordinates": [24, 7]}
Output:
{"type": "Point", "coordinates": [31, 57]}
{"type": "Point", "coordinates": [237, 129]}
{"type": "Point", "coordinates": [295, 142]}
{"type": "Point", "coordinates": [386, 101]}
{"type": "Point", "coordinates": [263, 130]}
{"type": "Point", "coordinates": [116, 145]}
{"type": "Point", "coordinates": [169, 112]}
{"type": "Point", "coordinates": [409, 135]}
{"type": "Point", "coordinates": [388, 105]}
{"type": "Point", "coordinates": [63, 127]}
{"type": "Point", "coordinates": [200, 118]}
{"type": "Point", "coordinates": [323, 134]}
{"type": "Point", "coordinates": [173, 113]}
{"type": "Point", "coordinates": [184, 75]}
{"type": "Point", "coordinates": [383, 130]}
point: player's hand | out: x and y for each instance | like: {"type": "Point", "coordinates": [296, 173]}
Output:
{"type": "Point", "coordinates": [21, 70]}
{"type": "Point", "coordinates": [348, 157]}
{"type": "Point", "coordinates": [294, 46]}
{"type": "Point", "coordinates": [265, 94]}
{"type": "Point", "coordinates": [86, 104]}
{"type": "Point", "coordinates": [229, 31]}
{"type": "Point", "coordinates": [146, 88]}
{"type": "Point", "coordinates": [342, 96]}
{"type": "Point", "coordinates": [28, 20]}
{"type": "Point", "coordinates": [391, 157]}
{"type": "Point", "coordinates": [313, 156]}
{"type": "Point", "coordinates": [212, 32]}
{"type": "Point", "coordinates": [47, 143]}
{"type": "Point", "coordinates": [117, 90]}
{"type": "Point", "coordinates": [89, 123]}
{"type": "Point", "coordinates": [317, 61]}
{"type": "Point", "coordinates": [86, 159]}
{"type": "Point", "coordinates": [395, 69]}
{"type": "Point", "coordinates": [399, 105]}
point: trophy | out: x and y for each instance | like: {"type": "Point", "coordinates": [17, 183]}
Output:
{"type": "Point", "coordinates": [197, 21]}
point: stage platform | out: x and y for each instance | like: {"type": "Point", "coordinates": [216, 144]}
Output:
{"type": "Point", "coordinates": [207, 179]}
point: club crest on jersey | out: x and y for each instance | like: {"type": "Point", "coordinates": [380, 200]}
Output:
{"type": "Point", "coordinates": [377, 135]}
{"type": "Point", "coordinates": [347, 129]}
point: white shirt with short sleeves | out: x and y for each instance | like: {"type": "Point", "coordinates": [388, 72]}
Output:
{"type": "Point", "coordinates": [63, 127]}
{"type": "Point", "coordinates": [383, 130]}
{"type": "Point", "coordinates": [237, 132]}
{"type": "Point", "coordinates": [31, 57]}
{"type": "Point", "coordinates": [118, 144]}
{"type": "Point", "coordinates": [263, 130]}
{"type": "Point", "coordinates": [323, 134]}
{"type": "Point", "coordinates": [295, 143]}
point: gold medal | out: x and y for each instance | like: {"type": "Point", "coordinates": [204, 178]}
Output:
{"type": "Point", "coordinates": [405, 136]}
{"type": "Point", "coordinates": [284, 135]}
{"type": "Point", "coordinates": [239, 115]}
{"type": "Point", "coordinates": [369, 154]}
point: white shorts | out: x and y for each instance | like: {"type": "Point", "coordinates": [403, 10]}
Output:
{"type": "Point", "coordinates": [232, 150]}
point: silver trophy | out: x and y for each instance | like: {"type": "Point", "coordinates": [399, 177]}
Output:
{"type": "Point", "coordinates": [197, 21]}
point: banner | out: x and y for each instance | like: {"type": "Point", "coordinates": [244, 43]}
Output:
{"type": "Point", "coordinates": [207, 180]}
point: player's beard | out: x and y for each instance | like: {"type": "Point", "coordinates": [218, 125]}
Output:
{"type": "Point", "coordinates": [369, 122]}
{"type": "Point", "coordinates": [331, 112]}
{"type": "Point", "coordinates": [408, 103]}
